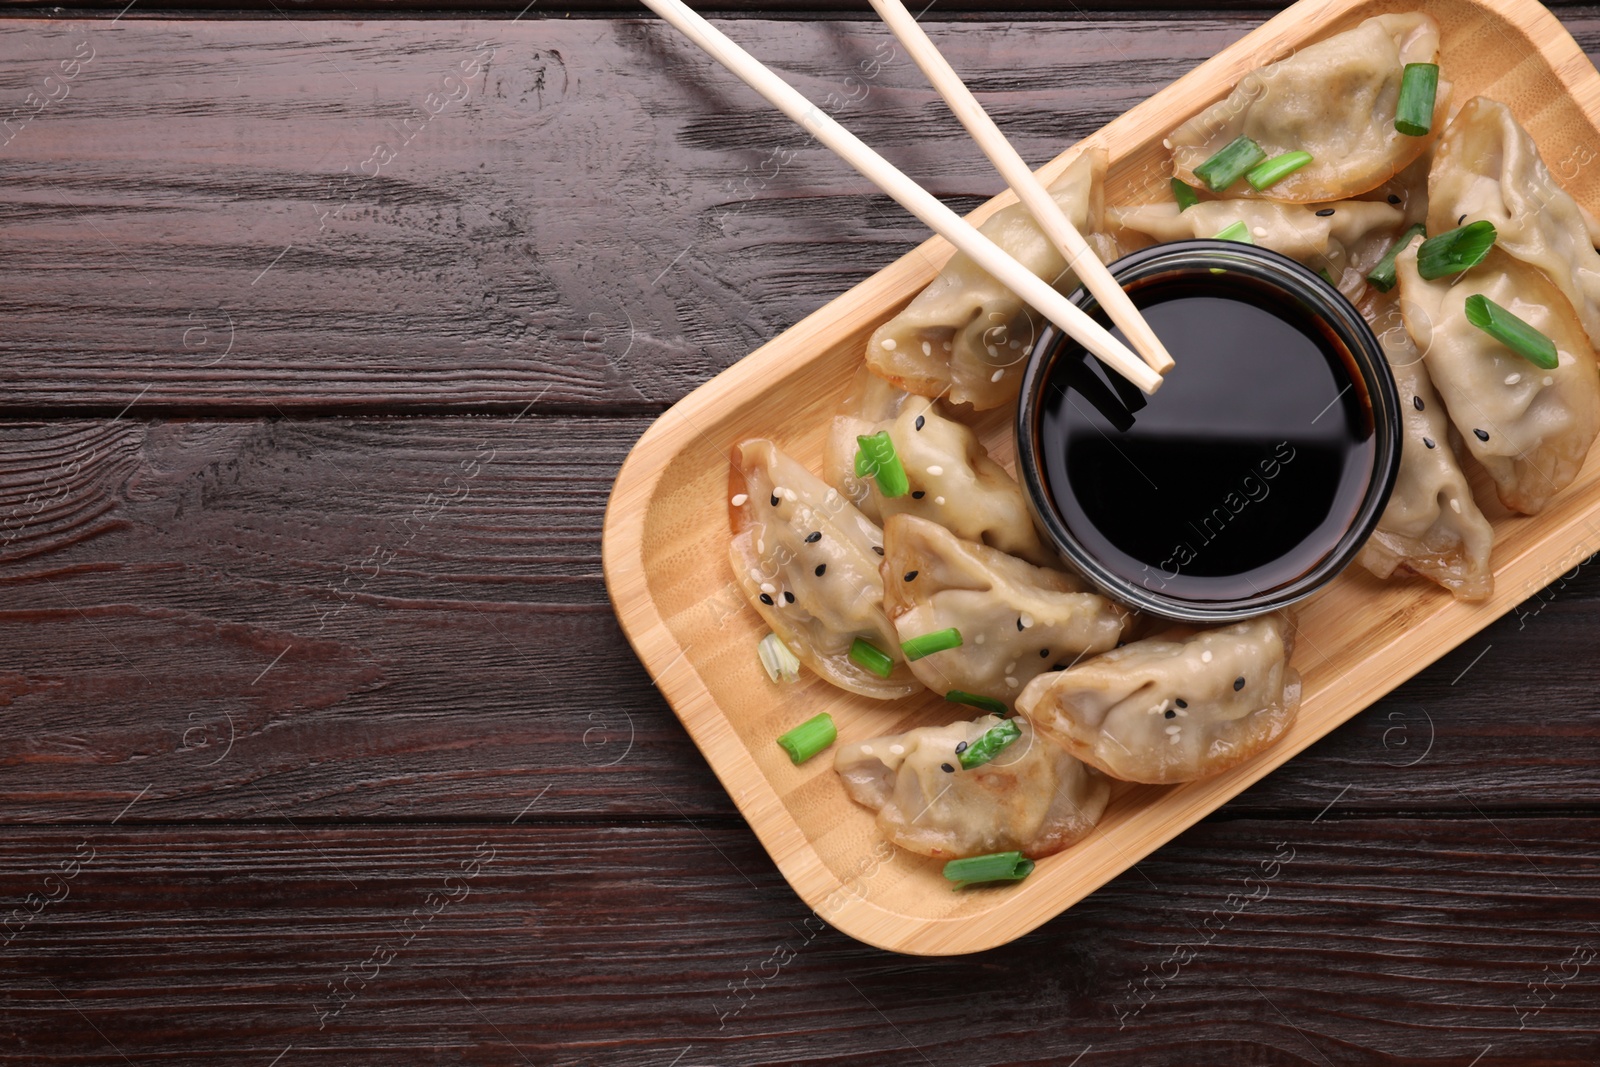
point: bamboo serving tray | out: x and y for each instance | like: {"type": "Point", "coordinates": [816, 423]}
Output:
{"type": "Point", "coordinates": [666, 533]}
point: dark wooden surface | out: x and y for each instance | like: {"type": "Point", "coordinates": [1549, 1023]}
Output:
{"type": "Point", "coordinates": [319, 743]}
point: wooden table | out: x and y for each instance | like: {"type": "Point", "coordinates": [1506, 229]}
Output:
{"type": "Point", "coordinates": [322, 342]}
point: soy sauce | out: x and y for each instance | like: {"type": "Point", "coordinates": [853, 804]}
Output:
{"type": "Point", "coordinates": [1243, 470]}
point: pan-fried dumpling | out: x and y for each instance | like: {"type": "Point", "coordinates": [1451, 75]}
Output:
{"type": "Point", "coordinates": [1172, 708]}
{"type": "Point", "coordinates": [1487, 167]}
{"type": "Point", "coordinates": [1346, 238]}
{"type": "Point", "coordinates": [1031, 798]}
{"type": "Point", "coordinates": [1016, 620]}
{"type": "Point", "coordinates": [807, 560]}
{"type": "Point", "coordinates": [953, 481]}
{"type": "Point", "coordinates": [1431, 525]}
{"type": "Point", "coordinates": [1529, 428]}
{"type": "Point", "coordinates": [1335, 99]}
{"type": "Point", "coordinates": [965, 335]}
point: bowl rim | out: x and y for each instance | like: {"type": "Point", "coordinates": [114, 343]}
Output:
{"type": "Point", "coordinates": [1301, 283]}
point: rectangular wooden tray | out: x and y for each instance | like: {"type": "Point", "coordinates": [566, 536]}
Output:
{"type": "Point", "coordinates": [666, 533]}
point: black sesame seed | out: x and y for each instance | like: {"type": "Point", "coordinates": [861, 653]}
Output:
{"type": "Point", "coordinates": [1416, 402]}
{"type": "Point", "coordinates": [1462, 219]}
{"type": "Point", "coordinates": [1044, 653]}
{"type": "Point", "coordinates": [878, 549]}
{"type": "Point", "coordinates": [1171, 714]}
{"type": "Point", "coordinates": [1019, 625]}
{"type": "Point", "coordinates": [1394, 200]}
{"type": "Point", "coordinates": [1482, 435]}
{"type": "Point", "coordinates": [1325, 212]}
{"type": "Point", "coordinates": [822, 568]}
{"type": "Point", "coordinates": [1058, 666]}
{"type": "Point", "coordinates": [1429, 442]}
{"type": "Point", "coordinates": [788, 596]}
{"type": "Point", "coordinates": [814, 537]}
{"type": "Point", "coordinates": [1182, 703]}
{"type": "Point", "coordinates": [911, 576]}
{"type": "Point", "coordinates": [919, 494]}
{"type": "Point", "coordinates": [1238, 683]}
{"type": "Point", "coordinates": [946, 768]}
{"type": "Point", "coordinates": [920, 421]}
{"type": "Point", "coordinates": [765, 599]}
{"type": "Point", "coordinates": [962, 747]}
{"type": "Point", "coordinates": [774, 499]}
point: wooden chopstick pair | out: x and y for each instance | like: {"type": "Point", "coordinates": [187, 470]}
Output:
{"type": "Point", "coordinates": [1146, 374]}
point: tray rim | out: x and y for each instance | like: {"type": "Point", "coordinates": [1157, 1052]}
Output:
{"type": "Point", "coordinates": [622, 539]}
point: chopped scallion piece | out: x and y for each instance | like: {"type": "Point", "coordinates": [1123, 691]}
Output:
{"type": "Point", "coordinates": [1237, 232]}
{"type": "Point", "coordinates": [1419, 88]}
{"type": "Point", "coordinates": [775, 656]}
{"type": "Point", "coordinates": [1184, 194]}
{"type": "Point", "coordinates": [997, 867]}
{"type": "Point", "coordinates": [1382, 276]}
{"type": "Point", "coordinates": [973, 700]}
{"type": "Point", "coordinates": [928, 644]}
{"type": "Point", "coordinates": [989, 745]}
{"type": "Point", "coordinates": [882, 463]}
{"type": "Point", "coordinates": [809, 738]}
{"type": "Point", "coordinates": [1229, 165]}
{"type": "Point", "coordinates": [1276, 169]}
{"type": "Point", "coordinates": [1322, 272]}
{"type": "Point", "coordinates": [1513, 332]}
{"type": "Point", "coordinates": [1451, 253]}
{"type": "Point", "coordinates": [869, 657]}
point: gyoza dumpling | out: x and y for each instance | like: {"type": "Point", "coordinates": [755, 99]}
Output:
{"type": "Point", "coordinates": [1335, 99]}
{"type": "Point", "coordinates": [1172, 708]}
{"type": "Point", "coordinates": [1529, 428]}
{"type": "Point", "coordinates": [1431, 525]}
{"type": "Point", "coordinates": [953, 481]}
{"type": "Point", "coordinates": [1487, 167]}
{"type": "Point", "coordinates": [1031, 798]}
{"type": "Point", "coordinates": [1016, 620]}
{"type": "Point", "coordinates": [1346, 238]}
{"type": "Point", "coordinates": [964, 336]}
{"type": "Point", "coordinates": [807, 561]}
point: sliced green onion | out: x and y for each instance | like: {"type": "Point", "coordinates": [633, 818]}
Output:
{"type": "Point", "coordinates": [987, 747]}
{"type": "Point", "coordinates": [809, 738]}
{"type": "Point", "coordinates": [1451, 253]}
{"type": "Point", "coordinates": [1184, 194]}
{"type": "Point", "coordinates": [781, 664]}
{"type": "Point", "coordinates": [1382, 276]}
{"type": "Point", "coordinates": [1276, 169]}
{"type": "Point", "coordinates": [973, 700]}
{"type": "Point", "coordinates": [996, 867]}
{"type": "Point", "coordinates": [869, 657]}
{"type": "Point", "coordinates": [1511, 331]}
{"type": "Point", "coordinates": [1419, 86]}
{"type": "Point", "coordinates": [1322, 272]}
{"type": "Point", "coordinates": [928, 644]}
{"type": "Point", "coordinates": [882, 463]}
{"type": "Point", "coordinates": [1237, 232]}
{"type": "Point", "coordinates": [1229, 165]}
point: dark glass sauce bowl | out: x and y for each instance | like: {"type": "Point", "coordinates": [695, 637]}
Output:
{"type": "Point", "coordinates": [1257, 470]}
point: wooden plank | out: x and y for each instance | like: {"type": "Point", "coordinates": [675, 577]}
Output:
{"type": "Point", "coordinates": [1336, 942]}
{"type": "Point", "coordinates": [336, 618]}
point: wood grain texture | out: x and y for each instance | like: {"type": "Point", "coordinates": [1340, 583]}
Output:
{"type": "Point", "coordinates": [1242, 943]}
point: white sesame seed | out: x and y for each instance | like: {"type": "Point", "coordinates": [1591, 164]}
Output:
{"type": "Point", "coordinates": [1205, 657]}
{"type": "Point", "coordinates": [1549, 380]}
{"type": "Point", "coordinates": [887, 344]}
{"type": "Point", "coordinates": [1166, 142]}
{"type": "Point", "coordinates": [1174, 739]}
{"type": "Point", "coordinates": [1011, 666]}
{"type": "Point", "coordinates": [947, 346]}
{"type": "Point", "coordinates": [897, 750]}
{"type": "Point", "coordinates": [1028, 351]}
{"type": "Point", "coordinates": [1014, 345]}
{"type": "Point", "coordinates": [997, 375]}
{"type": "Point", "coordinates": [1012, 682]}
{"type": "Point", "coordinates": [1027, 620]}
{"type": "Point", "coordinates": [1513, 379]}
{"type": "Point", "coordinates": [738, 500]}
{"type": "Point", "coordinates": [927, 349]}
{"type": "Point", "coordinates": [936, 470]}
{"type": "Point", "coordinates": [1173, 730]}
{"type": "Point", "coordinates": [866, 750]}
{"type": "Point", "coordinates": [978, 640]}
{"type": "Point", "coordinates": [1455, 505]}
{"type": "Point", "coordinates": [768, 588]}
{"type": "Point", "coordinates": [991, 349]}
{"type": "Point", "coordinates": [939, 500]}
{"type": "Point", "coordinates": [1260, 231]}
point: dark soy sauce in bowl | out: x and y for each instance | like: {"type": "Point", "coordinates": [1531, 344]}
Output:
{"type": "Point", "coordinates": [1253, 473]}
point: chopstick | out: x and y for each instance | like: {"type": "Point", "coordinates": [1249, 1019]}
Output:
{"type": "Point", "coordinates": [1029, 189]}
{"type": "Point", "coordinates": [988, 255]}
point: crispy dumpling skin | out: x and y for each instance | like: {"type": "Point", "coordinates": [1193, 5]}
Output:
{"type": "Point", "coordinates": [811, 554]}
{"type": "Point", "coordinates": [1016, 620]}
{"type": "Point", "coordinates": [1173, 708]}
{"type": "Point", "coordinates": [1432, 526]}
{"type": "Point", "coordinates": [1032, 797]}
{"type": "Point", "coordinates": [1529, 428]}
{"type": "Point", "coordinates": [965, 336]}
{"type": "Point", "coordinates": [961, 488]}
{"type": "Point", "coordinates": [1335, 99]}
{"type": "Point", "coordinates": [1487, 167]}
{"type": "Point", "coordinates": [1347, 242]}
